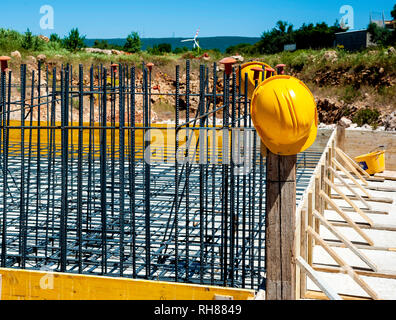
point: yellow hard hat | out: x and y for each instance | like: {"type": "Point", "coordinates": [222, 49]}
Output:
{"type": "Point", "coordinates": [247, 68]}
{"type": "Point", "coordinates": [284, 114]}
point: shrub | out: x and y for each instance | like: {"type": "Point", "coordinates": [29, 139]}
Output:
{"type": "Point", "coordinates": [30, 42]}
{"type": "Point", "coordinates": [101, 44]}
{"type": "Point", "coordinates": [367, 116]}
{"type": "Point", "coordinates": [380, 36]}
{"type": "Point", "coordinates": [180, 50]}
{"type": "Point", "coordinates": [55, 38]}
{"type": "Point", "coordinates": [160, 49]}
{"type": "Point", "coordinates": [74, 42]}
{"type": "Point", "coordinates": [27, 41]}
{"type": "Point", "coordinates": [350, 94]}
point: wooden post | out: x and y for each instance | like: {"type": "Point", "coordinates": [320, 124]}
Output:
{"type": "Point", "coordinates": [340, 137]}
{"type": "Point", "coordinates": [280, 227]}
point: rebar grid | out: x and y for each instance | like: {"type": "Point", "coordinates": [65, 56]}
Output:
{"type": "Point", "coordinates": [102, 207]}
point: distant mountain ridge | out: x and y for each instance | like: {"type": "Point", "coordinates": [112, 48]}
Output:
{"type": "Point", "coordinates": [221, 43]}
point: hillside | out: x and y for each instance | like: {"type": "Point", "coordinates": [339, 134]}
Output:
{"type": "Point", "coordinates": [209, 43]}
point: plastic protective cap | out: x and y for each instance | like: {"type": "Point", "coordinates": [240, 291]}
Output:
{"type": "Point", "coordinates": [284, 114]}
{"type": "Point", "coordinates": [228, 62]}
{"type": "Point", "coordinates": [150, 65]}
{"type": "Point", "coordinates": [256, 72]}
{"type": "Point", "coordinates": [249, 68]}
{"type": "Point", "coordinates": [4, 63]}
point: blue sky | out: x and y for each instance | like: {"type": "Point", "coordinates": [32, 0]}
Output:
{"type": "Point", "coordinates": [181, 18]}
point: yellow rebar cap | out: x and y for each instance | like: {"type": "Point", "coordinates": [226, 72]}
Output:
{"type": "Point", "coordinates": [247, 68]}
{"type": "Point", "coordinates": [284, 114]}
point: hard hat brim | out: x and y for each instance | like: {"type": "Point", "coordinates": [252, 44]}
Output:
{"type": "Point", "coordinates": [294, 148]}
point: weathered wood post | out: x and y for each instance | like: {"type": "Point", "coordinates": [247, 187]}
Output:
{"type": "Point", "coordinates": [340, 138]}
{"type": "Point", "coordinates": [285, 117]}
{"type": "Point", "coordinates": [280, 226]}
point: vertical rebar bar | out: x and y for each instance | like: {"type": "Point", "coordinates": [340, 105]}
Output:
{"type": "Point", "coordinates": [122, 164]}
{"type": "Point", "coordinates": [103, 178]}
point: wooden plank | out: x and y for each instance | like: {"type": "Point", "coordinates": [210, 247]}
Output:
{"type": "Point", "coordinates": [348, 209]}
{"type": "Point", "coordinates": [352, 162]}
{"type": "Point", "coordinates": [310, 222]}
{"type": "Point", "coordinates": [350, 222]}
{"type": "Point", "coordinates": [336, 243]}
{"type": "Point", "coordinates": [341, 168]}
{"type": "Point", "coordinates": [297, 249]}
{"type": "Point", "coordinates": [376, 226]}
{"type": "Point", "coordinates": [346, 268]}
{"type": "Point", "coordinates": [349, 187]}
{"type": "Point", "coordinates": [311, 294]}
{"type": "Point", "coordinates": [372, 199]}
{"type": "Point", "coordinates": [350, 202]}
{"type": "Point", "coordinates": [41, 285]}
{"type": "Point", "coordinates": [318, 280]}
{"type": "Point", "coordinates": [318, 202]}
{"type": "Point", "coordinates": [347, 243]}
{"type": "Point", "coordinates": [303, 250]}
{"type": "Point", "coordinates": [387, 177]}
{"type": "Point", "coordinates": [375, 188]}
{"type": "Point", "coordinates": [280, 226]}
{"type": "Point", "coordinates": [333, 269]}
{"type": "Point", "coordinates": [353, 169]}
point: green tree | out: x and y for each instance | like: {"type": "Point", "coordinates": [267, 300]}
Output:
{"type": "Point", "coordinates": [27, 40]}
{"type": "Point", "coordinates": [393, 12]}
{"type": "Point", "coordinates": [55, 38]}
{"type": "Point", "coordinates": [308, 36]}
{"type": "Point", "coordinates": [160, 49]}
{"type": "Point", "coordinates": [74, 41]}
{"type": "Point", "coordinates": [165, 48]}
{"type": "Point", "coordinates": [133, 43]}
{"type": "Point", "coordinates": [380, 36]}
{"type": "Point", "coordinates": [101, 44]}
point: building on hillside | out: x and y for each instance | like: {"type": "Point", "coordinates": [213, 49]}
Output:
{"type": "Point", "coordinates": [390, 24]}
{"type": "Point", "coordinates": [353, 40]}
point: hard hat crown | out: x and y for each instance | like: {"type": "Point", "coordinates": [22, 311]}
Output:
{"type": "Point", "coordinates": [284, 113]}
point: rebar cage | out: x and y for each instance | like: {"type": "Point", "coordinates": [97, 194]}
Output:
{"type": "Point", "coordinates": [99, 193]}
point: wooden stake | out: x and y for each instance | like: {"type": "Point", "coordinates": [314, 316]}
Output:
{"type": "Point", "coordinates": [280, 227]}
{"type": "Point", "coordinates": [346, 184]}
{"type": "Point", "coordinates": [343, 239]}
{"type": "Point", "coordinates": [351, 166]}
{"type": "Point", "coordinates": [350, 202]}
{"type": "Point", "coordinates": [318, 280]}
{"type": "Point", "coordinates": [352, 162]}
{"type": "Point", "coordinates": [342, 263]}
{"type": "Point", "coordinates": [341, 168]}
{"type": "Point", "coordinates": [303, 251]}
{"type": "Point", "coordinates": [350, 222]}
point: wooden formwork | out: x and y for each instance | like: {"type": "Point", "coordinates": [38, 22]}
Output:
{"type": "Point", "coordinates": [320, 195]}
{"type": "Point", "coordinates": [41, 285]}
